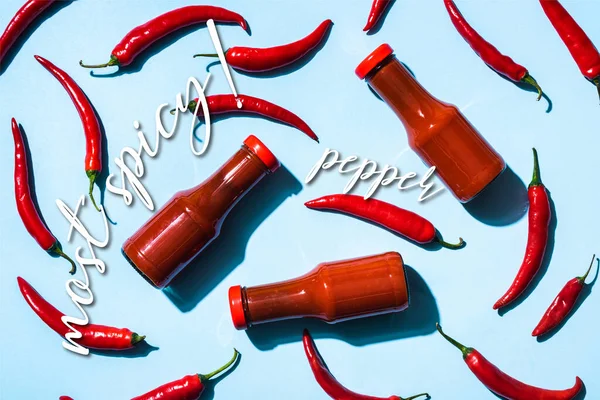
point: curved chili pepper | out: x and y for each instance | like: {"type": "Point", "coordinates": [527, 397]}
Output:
{"type": "Point", "coordinates": [327, 381]}
{"type": "Point", "coordinates": [377, 10]}
{"type": "Point", "coordinates": [22, 19]}
{"type": "Point", "coordinates": [251, 59]}
{"type": "Point", "coordinates": [91, 125]}
{"type": "Point", "coordinates": [228, 103]}
{"type": "Point", "coordinates": [143, 36]}
{"type": "Point", "coordinates": [94, 336]}
{"type": "Point", "coordinates": [580, 46]}
{"type": "Point", "coordinates": [398, 220]}
{"type": "Point", "coordinates": [504, 385]}
{"type": "Point", "coordinates": [25, 204]}
{"type": "Point", "coordinates": [189, 387]}
{"type": "Point", "coordinates": [562, 304]}
{"type": "Point", "coordinates": [537, 240]}
{"type": "Point", "coordinates": [490, 55]}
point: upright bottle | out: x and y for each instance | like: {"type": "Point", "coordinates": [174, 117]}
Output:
{"type": "Point", "coordinates": [438, 132]}
{"type": "Point", "coordinates": [333, 292]}
{"type": "Point", "coordinates": [192, 219]}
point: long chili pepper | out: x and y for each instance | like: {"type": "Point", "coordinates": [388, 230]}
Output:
{"type": "Point", "coordinates": [98, 337]}
{"type": "Point", "coordinates": [562, 304]}
{"type": "Point", "coordinates": [189, 387]}
{"type": "Point", "coordinates": [227, 103]}
{"type": "Point", "coordinates": [252, 59]}
{"type": "Point", "coordinates": [143, 36]}
{"type": "Point", "coordinates": [490, 55]}
{"type": "Point", "coordinates": [580, 46]}
{"type": "Point", "coordinates": [25, 204]}
{"type": "Point", "coordinates": [22, 19]}
{"type": "Point", "coordinates": [377, 10]}
{"type": "Point", "coordinates": [327, 381]}
{"type": "Point", "coordinates": [537, 240]}
{"type": "Point", "coordinates": [91, 125]}
{"type": "Point", "coordinates": [504, 385]}
{"type": "Point", "coordinates": [398, 220]}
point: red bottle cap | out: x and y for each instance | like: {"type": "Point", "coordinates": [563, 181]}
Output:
{"type": "Point", "coordinates": [373, 59]}
{"type": "Point", "coordinates": [262, 152]}
{"type": "Point", "coordinates": [236, 307]}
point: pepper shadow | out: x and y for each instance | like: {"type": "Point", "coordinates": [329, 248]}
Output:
{"type": "Point", "coordinates": [16, 47]}
{"type": "Point", "coordinates": [227, 251]}
{"type": "Point", "coordinates": [141, 349]}
{"type": "Point", "coordinates": [545, 262]}
{"type": "Point", "coordinates": [381, 20]}
{"type": "Point", "coordinates": [585, 292]}
{"type": "Point", "coordinates": [417, 320]}
{"type": "Point", "coordinates": [528, 88]}
{"type": "Point", "coordinates": [288, 69]}
{"type": "Point", "coordinates": [503, 202]}
{"type": "Point", "coordinates": [209, 386]}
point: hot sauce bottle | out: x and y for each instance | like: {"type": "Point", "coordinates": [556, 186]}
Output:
{"type": "Point", "coordinates": [438, 132]}
{"type": "Point", "coordinates": [192, 218]}
{"type": "Point", "coordinates": [333, 292]}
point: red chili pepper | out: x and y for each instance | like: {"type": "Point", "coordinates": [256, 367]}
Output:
{"type": "Point", "coordinates": [143, 36]}
{"type": "Point", "coordinates": [91, 125]}
{"type": "Point", "coordinates": [65, 398]}
{"type": "Point", "coordinates": [330, 385]}
{"type": "Point", "coordinates": [504, 385]}
{"type": "Point", "coordinates": [539, 221]}
{"type": "Point", "coordinates": [562, 304]}
{"type": "Point", "coordinates": [487, 52]}
{"type": "Point", "coordinates": [227, 103]}
{"type": "Point", "coordinates": [99, 337]}
{"type": "Point", "coordinates": [377, 10]}
{"type": "Point", "coordinates": [25, 205]}
{"type": "Point", "coordinates": [22, 19]}
{"type": "Point", "coordinates": [398, 220]}
{"type": "Point", "coordinates": [580, 46]}
{"type": "Point", "coordinates": [252, 59]}
{"type": "Point", "coordinates": [189, 387]}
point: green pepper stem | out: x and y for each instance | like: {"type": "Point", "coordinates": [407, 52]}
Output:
{"type": "Point", "coordinates": [597, 83]}
{"type": "Point", "coordinates": [58, 251]}
{"type": "Point", "coordinates": [418, 395]}
{"type": "Point", "coordinates": [113, 61]}
{"type": "Point", "coordinates": [530, 80]}
{"type": "Point", "coordinates": [206, 377]}
{"type": "Point", "coordinates": [536, 180]}
{"type": "Point", "coordinates": [584, 277]}
{"type": "Point", "coordinates": [92, 175]}
{"type": "Point", "coordinates": [464, 349]}
{"type": "Point", "coordinates": [135, 338]}
{"type": "Point", "coordinates": [206, 55]}
{"type": "Point", "coordinates": [451, 246]}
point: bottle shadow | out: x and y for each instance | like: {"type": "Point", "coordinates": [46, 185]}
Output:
{"type": "Point", "coordinates": [381, 20]}
{"type": "Point", "coordinates": [545, 262]}
{"type": "Point", "coordinates": [141, 349]}
{"type": "Point", "coordinates": [503, 202]}
{"type": "Point", "coordinates": [227, 251]}
{"type": "Point", "coordinates": [16, 47]}
{"type": "Point", "coordinates": [417, 320]}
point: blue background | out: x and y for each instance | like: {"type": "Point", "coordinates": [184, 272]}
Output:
{"type": "Point", "coordinates": [271, 236]}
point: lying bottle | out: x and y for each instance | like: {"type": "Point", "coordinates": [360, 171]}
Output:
{"type": "Point", "coordinates": [192, 219]}
{"type": "Point", "coordinates": [334, 292]}
{"type": "Point", "coordinates": [438, 132]}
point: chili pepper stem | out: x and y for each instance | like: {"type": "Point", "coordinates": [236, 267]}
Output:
{"type": "Point", "coordinates": [417, 395]}
{"type": "Point", "coordinates": [530, 80]}
{"type": "Point", "coordinates": [113, 61]}
{"type": "Point", "coordinates": [584, 277]}
{"type": "Point", "coordinates": [58, 251]}
{"type": "Point", "coordinates": [464, 349]}
{"type": "Point", "coordinates": [206, 55]}
{"type": "Point", "coordinates": [451, 246]}
{"type": "Point", "coordinates": [206, 377]}
{"type": "Point", "coordinates": [135, 338]}
{"type": "Point", "coordinates": [597, 83]}
{"type": "Point", "coordinates": [536, 180]}
{"type": "Point", "coordinates": [92, 175]}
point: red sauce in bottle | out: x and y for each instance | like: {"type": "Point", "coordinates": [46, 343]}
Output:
{"type": "Point", "coordinates": [438, 132]}
{"type": "Point", "coordinates": [192, 218]}
{"type": "Point", "coordinates": [333, 292]}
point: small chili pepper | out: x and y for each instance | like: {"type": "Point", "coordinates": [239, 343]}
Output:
{"type": "Point", "coordinates": [91, 125]}
{"type": "Point", "coordinates": [252, 59]}
{"type": "Point", "coordinates": [143, 36]}
{"type": "Point", "coordinates": [228, 103]}
{"type": "Point", "coordinates": [22, 19]}
{"type": "Point", "coordinates": [539, 222]}
{"type": "Point", "coordinates": [327, 381]}
{"type": "Point", "coordinates": [398, 220]}
{"type": "Point", "coordinates": [490, 55]}
{"type": "Point", "coordinates": [562, 304]}
{"type": "Point", "coordinates": [94, 336]}
{"type": "Point", "coordinates": [25, 205]}
{"type": "Point", "coordinates": [580, 46]}
{"type": "Point", "coordinates": [189, 387]}
{"type": "Point", "coordinates": [377, 10]}
{"type": "Point", "coordinates": [504, 385]}
{"type": "Point", "coordinates": [65, 398]}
